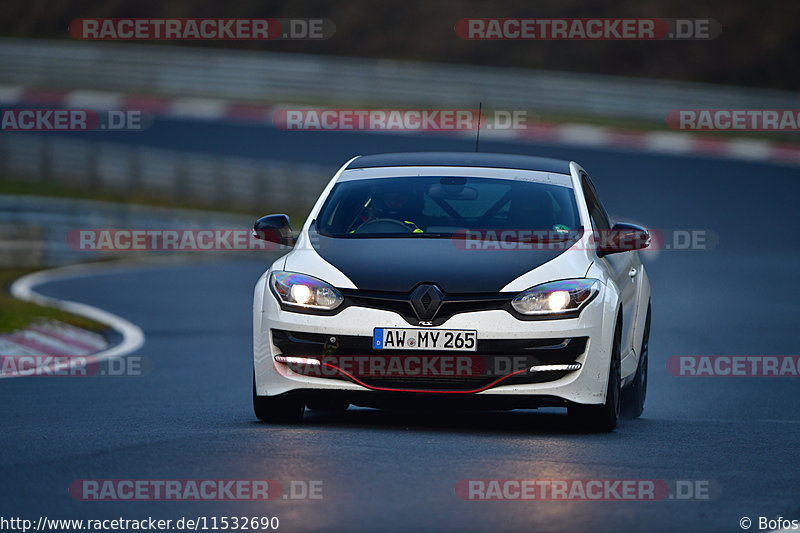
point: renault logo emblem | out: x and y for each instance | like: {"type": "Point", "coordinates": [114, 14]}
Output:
{"type": "Point", "coordinates": [426, 300]}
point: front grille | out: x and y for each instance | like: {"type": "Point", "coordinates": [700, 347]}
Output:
{"type": "Point", "coordinates": [400, 303]}
{"type": "Point", "coordinates": [493, 360]}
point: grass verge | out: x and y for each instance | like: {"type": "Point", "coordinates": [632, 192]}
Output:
{"type": "Point", "coordinates": [16, 314]}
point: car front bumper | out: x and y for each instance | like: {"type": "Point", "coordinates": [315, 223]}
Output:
{"type": "Point", "coordinates": [279, 332]}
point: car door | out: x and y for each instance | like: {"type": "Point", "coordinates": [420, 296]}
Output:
{"type": "Point", "coordinates": [623, 266]}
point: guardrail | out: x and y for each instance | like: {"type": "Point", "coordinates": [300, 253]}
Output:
{"type": "Point", "coordinates": [34, 230]}
{"type": "Point", "coordinates": [283, 77]}
{"type": "Point", "coordinates": [184, 177]}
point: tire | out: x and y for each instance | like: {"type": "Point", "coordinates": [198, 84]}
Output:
{"type": "Point", "coordinates": [327, 406]}
{"type": "Point", "coordinates": [603, 417]}
{"type": "Point", "coordinates": [635, 394]}
{"type": "Point", "coordinates": [277, 409]}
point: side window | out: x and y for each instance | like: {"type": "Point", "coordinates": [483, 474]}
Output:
{"type": "Point", "coordinates": [596, 212]}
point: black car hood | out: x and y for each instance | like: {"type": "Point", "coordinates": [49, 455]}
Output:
{"type": "Point", "coordinates": [399, 264]}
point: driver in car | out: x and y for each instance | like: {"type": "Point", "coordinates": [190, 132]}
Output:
{"type": "Point", "coordinates": [391, 205]}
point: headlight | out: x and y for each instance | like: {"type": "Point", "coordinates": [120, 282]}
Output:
{"type": "Point", "coordinates": [304, 291]}
{"type": "Point", "coordinates": [555, 297]}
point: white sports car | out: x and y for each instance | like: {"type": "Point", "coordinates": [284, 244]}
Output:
{"type": "Point", "coordinates": [467, 279]}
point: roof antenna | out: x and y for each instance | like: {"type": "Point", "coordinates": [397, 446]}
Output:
{"type": "Point", "coordinates": [478, 138]}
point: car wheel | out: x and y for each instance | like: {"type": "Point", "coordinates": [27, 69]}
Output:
{"type": "Point", "coordinates": [327, 406]}
{"type": "Point", "coordinates": [277, 409]}
{"type": "Point", "coordinates": [634, 395]}
{"type": "Point", "coordinates": [604, 417]}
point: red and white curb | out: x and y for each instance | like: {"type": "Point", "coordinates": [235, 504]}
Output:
{"type": "Point", "coordinates": [51, 338]}
{"type": "Point", "coordinates": [663, 142]}
{"type": "Point", "coordinates": [57, 339]}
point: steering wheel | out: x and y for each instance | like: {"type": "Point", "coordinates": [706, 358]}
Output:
{"type": "Point", "coordinates": [383, 225]}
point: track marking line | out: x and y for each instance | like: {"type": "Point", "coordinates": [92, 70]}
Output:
{"type": "Point", "coordinates": [132, 335]}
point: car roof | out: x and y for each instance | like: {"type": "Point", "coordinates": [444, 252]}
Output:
{"type": "Point", "coordinates": [461, 159]}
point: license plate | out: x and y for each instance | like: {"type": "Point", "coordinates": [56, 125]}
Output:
{"type": "Point", "coordinates": [424, 339]}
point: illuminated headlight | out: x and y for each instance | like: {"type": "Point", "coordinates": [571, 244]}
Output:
{"type": "Point", "coordinates": [556, 297]}
{"type": "Point", "coordinates": [299, 290]}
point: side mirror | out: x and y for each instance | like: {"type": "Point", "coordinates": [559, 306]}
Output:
{"type": "Point", "coordinates": [623, 238]}
{"type": "Point", "coordinates": [274, 228]}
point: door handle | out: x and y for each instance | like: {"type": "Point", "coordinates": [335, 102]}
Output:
{"type": "Point", "coordinates": [632, 273]}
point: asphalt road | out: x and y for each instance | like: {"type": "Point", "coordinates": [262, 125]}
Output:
{"type": "Point", "coordinates": [190, 417]}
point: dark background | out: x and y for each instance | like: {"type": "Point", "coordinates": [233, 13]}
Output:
{"type": "Point", "coordinates": [755, 49]}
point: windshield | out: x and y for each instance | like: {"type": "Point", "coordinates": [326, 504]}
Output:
{"type": "Point", "coordinates": [424, 206]}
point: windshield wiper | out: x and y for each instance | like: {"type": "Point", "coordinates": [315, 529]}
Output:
{"type": "Point", "coordinates": [424, 235]}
